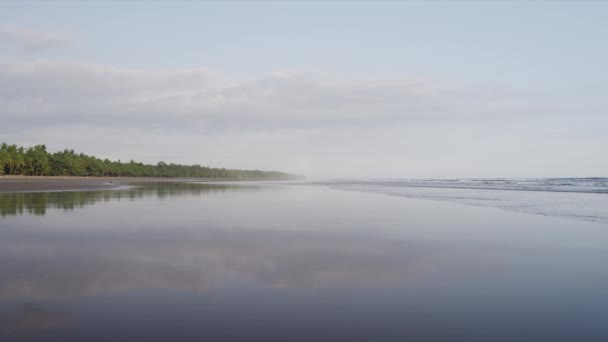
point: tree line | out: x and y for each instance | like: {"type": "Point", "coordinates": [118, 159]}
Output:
{"type": "Point", "coordinates": [37, 161]}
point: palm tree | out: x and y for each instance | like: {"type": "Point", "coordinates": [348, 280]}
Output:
{"type": "Point", "coordinates": [3, 161]}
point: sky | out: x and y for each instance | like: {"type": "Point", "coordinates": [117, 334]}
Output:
{"type": "Point", "coordinates": [323, 89]}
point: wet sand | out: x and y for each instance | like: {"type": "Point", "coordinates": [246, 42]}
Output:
{"type": "Point", "coordinates": [32, 184]}
{"type": "Point", "coordinates": [192, 261]}
{"type": "Point", "coordinates": [22, 184]}
{"type": "Point", "coordinates": [56, 183]}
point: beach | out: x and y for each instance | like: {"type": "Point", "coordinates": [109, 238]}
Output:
{"type": "Point", "coordinates": [69, 183]}
{"type": "Point", "coordinates": [196, 259]}
{"type": "Point", "coordinates": [30, 184]}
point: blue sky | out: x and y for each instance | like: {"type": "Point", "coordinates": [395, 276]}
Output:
{"type": "Point", "coordinates": [365, 89]}
{"type": "Point", "coordinates": [456, 39]}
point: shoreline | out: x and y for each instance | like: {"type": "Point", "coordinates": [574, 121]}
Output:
{"type": "Point", "coordinates": [75, 183]}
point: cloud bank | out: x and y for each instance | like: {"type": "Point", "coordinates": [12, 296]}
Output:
{"type": "Point", "coordinates": [301, 122]}
{"type": "Point", "coordinates": [201, 100]}
{"type": "Point", "coordinates": [30, 40]}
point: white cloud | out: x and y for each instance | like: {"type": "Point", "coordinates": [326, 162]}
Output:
{"type": "Point", "coordinates": [300, 122]}
{"type": "Point", "coordinates": [30, 40]}
{"type": "Point", "coordinates": [200, 100]}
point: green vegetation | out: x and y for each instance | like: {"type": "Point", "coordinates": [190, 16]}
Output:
{"type": "Point", "coordinates": [36, 161]}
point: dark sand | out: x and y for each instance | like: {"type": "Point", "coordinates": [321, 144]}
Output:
{"type": "Point", "coordinates": [23, 183]}
{"type": "Point", "coordinates": [33, 184]}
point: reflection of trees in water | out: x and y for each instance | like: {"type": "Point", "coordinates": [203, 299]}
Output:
{"type": "Point", "coordinates": [36, 203]}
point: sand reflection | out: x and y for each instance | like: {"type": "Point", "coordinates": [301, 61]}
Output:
{"type": "Point", "coordinates": [41, 268]}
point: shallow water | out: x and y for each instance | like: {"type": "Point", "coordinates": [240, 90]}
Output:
{"type": "Point", "coordinates": [271, 262]}
{"type": "Point", "coordinates": [584, 199]}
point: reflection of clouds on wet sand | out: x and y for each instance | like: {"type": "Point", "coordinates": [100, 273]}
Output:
{"type": "Point", "coordinates": [41, 268]}
{"type": "Point", "coordinates": [30, 317]}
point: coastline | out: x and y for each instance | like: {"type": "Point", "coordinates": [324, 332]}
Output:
{"type": "Point", "coordinates": [75, 183]}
